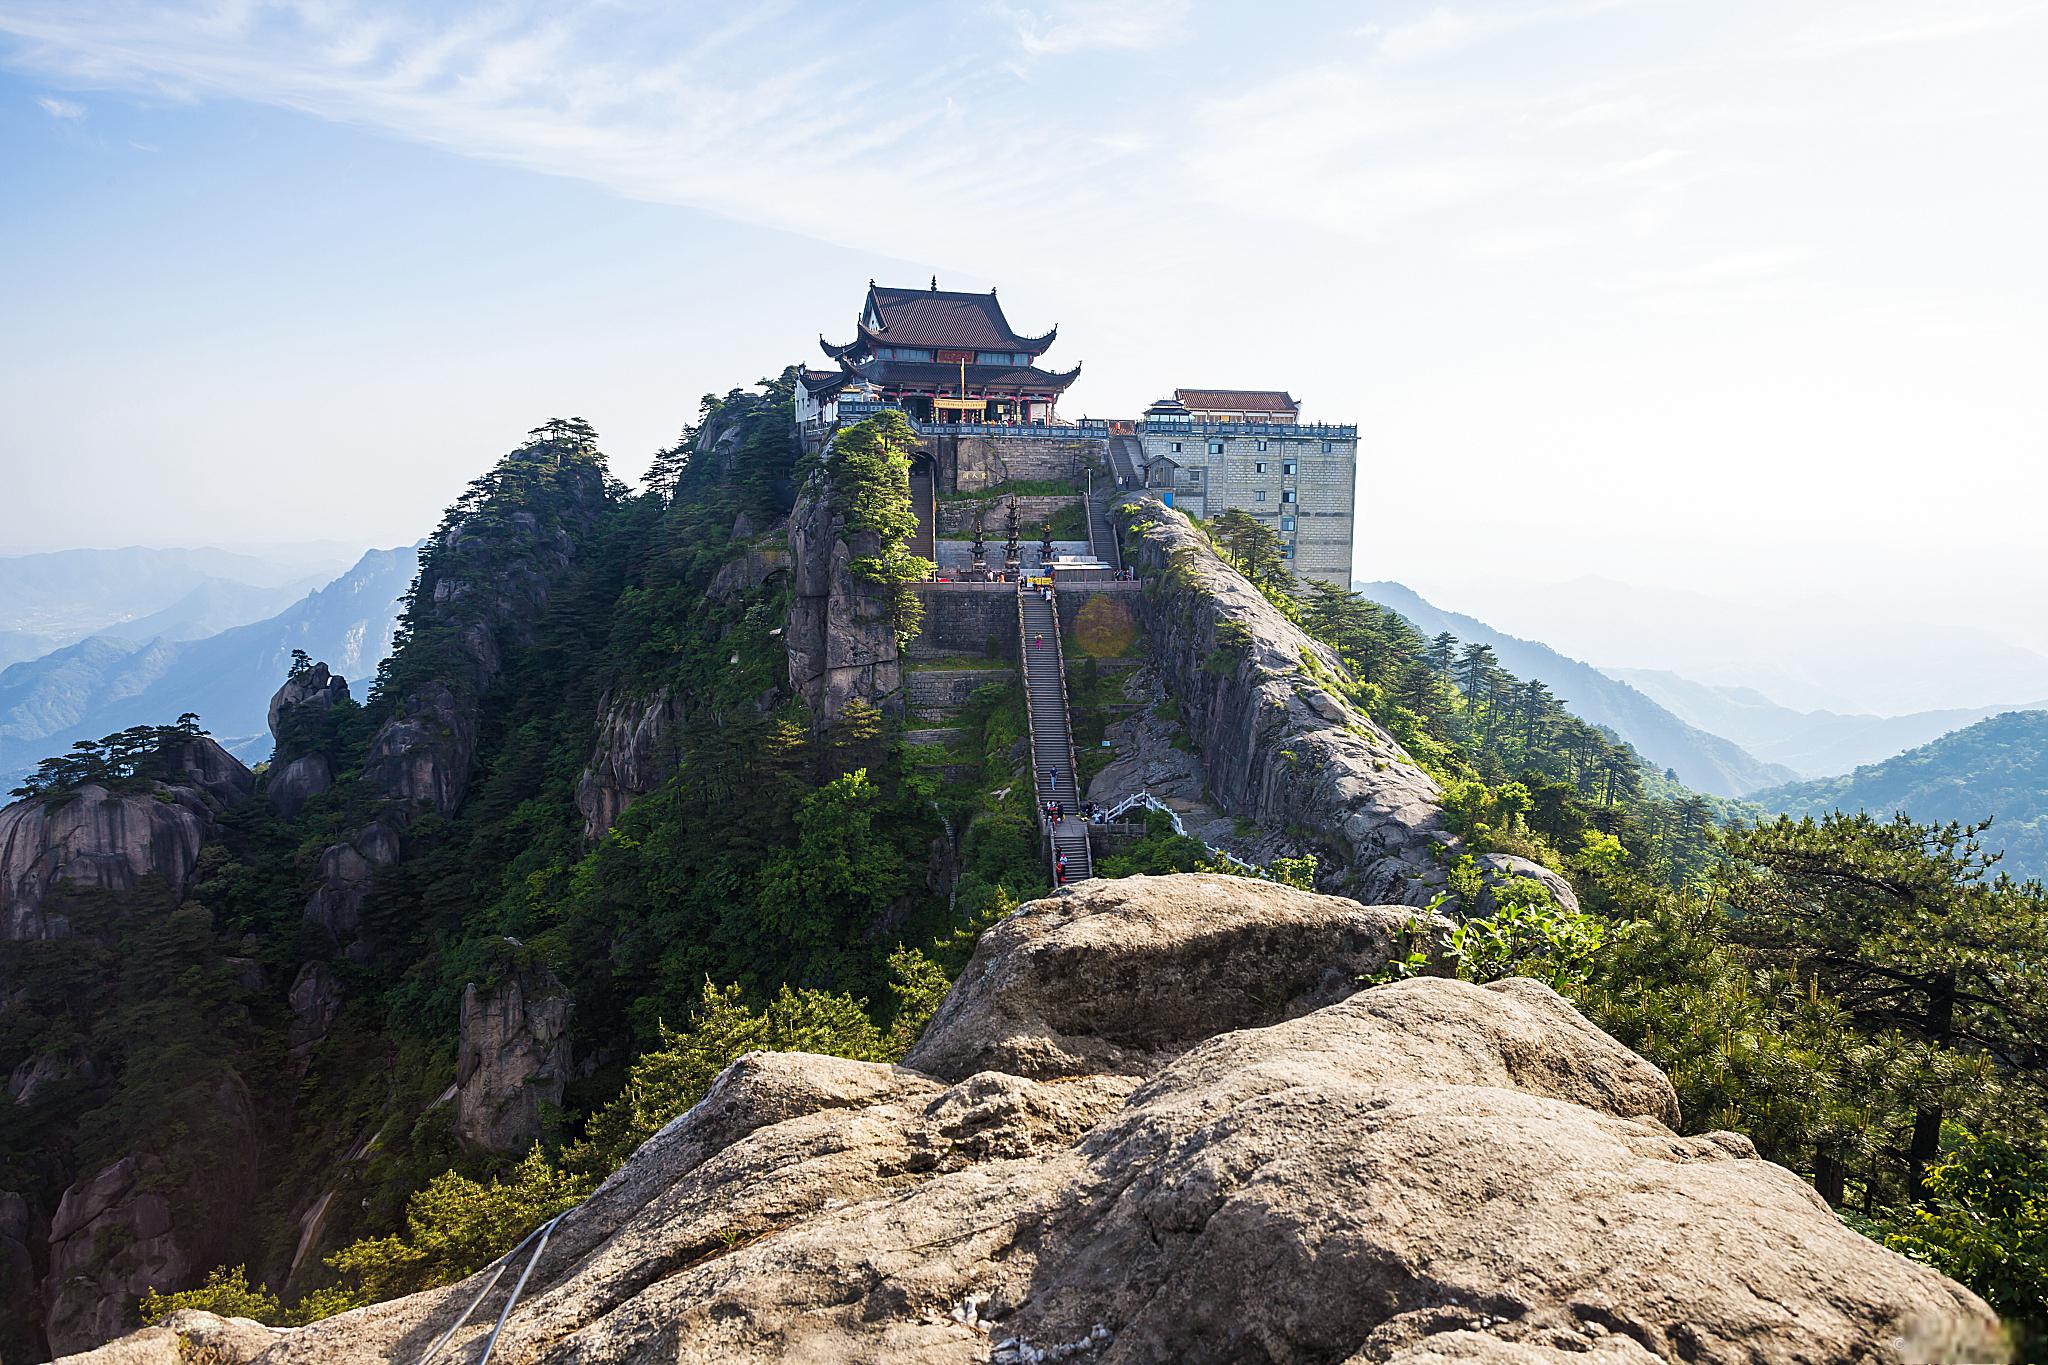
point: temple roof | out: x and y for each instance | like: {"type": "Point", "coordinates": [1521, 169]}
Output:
{"type": "Point", "coordinates": [823, 381]}
{"type": "Point", "coordinates": [938, 317]}
{"type": "Point", "coordinates": [980, 378]}
{"type": "Point", "coordinates": [1237, 400]}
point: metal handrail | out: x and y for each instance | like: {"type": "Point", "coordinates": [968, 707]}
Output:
{"type": "Point", "coordinates": [544, 1231]}
{"type": "Point", "coordinates": [1030, 719]}
{"type": "Point", "coordinates": [1059, 663]}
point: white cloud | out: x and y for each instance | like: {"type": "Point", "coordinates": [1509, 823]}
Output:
{"type": "Point", "coordinates": [1445, 30]}
{"type": "Point", "coordinates": [1436, 33]}
{"type": "Point", "coordinates": [642, 98]}
{"type": "Point", "coordinates": [60, 108]}
{"type": "Point", "coordinates": [1065, 26]}
{"type": "Point", "coordinates": [1893, 23]}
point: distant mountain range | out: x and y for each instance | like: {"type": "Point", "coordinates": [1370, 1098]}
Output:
{"type": "Point", "coordinates": [1811, 743]}
{"type": "Point", "coordinates": [138, 593]}
{"type": "Point", "coordinates": [1997, 767]}
{"type": "Point", "coordinates": [1703, 761]}
{"type": "Point", "coordinates": [108, 682]}
{"type": "Point", "coordinates": [1820, 653]}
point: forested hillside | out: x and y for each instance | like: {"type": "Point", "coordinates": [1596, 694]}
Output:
{"type": "Point", "coordinates": [1705, 761]}
{"type": "Point", "coordinates": [634, 795]}
{"type": "Point", "coordinates": [1995, 770]}
{"type": "Point", "coordinates": [1814, 744]}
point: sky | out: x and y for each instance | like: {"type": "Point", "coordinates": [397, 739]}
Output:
{"type": "Point", "coordinates": [1738, 296]}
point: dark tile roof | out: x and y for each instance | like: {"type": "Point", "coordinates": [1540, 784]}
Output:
{"type": "Point", "coordinates": [942, 317]}
{"type": "Point", "coordinates": [823, 381]}
{"type": "Point", "coordinates": [1237, 400]}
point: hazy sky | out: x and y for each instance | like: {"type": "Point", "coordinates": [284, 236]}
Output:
{"type": "Point", "coordinates": [1717, 292]}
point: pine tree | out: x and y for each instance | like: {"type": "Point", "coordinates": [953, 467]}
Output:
{"type": "Point", "coordinates": [1906, 928]}
{"type": "Point", "coordinates": [1442, 651]}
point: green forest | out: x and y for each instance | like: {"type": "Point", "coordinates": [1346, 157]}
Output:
{"type": "Point", "coordinates": [1863, 997]}
{"type": "Point", "coordinates": [1997, 768]}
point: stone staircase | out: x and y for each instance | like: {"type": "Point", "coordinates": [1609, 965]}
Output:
{"type": "Point", "coordinates": [1052, 737]}
{"type": "Point", "coordinates": [1123, 459]}
{"type": "Point", "coordinates": [1102, 542]}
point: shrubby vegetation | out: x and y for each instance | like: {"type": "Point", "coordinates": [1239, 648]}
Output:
{"type": "Point", "coordinates": [867, 468]}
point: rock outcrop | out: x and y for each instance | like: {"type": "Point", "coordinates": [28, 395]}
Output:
{"type": "Point", "coordinates": [1425, 1171]}
{"type": "Point", "coordinates": [45, 1069]}
{"type": "Point", "coordinates": [1113, 976]}
{"type": "Point", "coordinates": [299, 768]}
{"type": "Point", "coordinates": [841, 635]}
{"type": "Point", "coordinates": [113, 836]}
{"type": "Point", "coordinates": [19, 1234]}
{"type": "Point", "coordinates": [118, 1232]}
{"type": "Point", "coordinates": [188, 1337]}
{"type": "Point", "coordinates": [315, 1000]}
{"type": "Point", "coordinates": [483, 584]}
{"type": "Point", "coordinates": [638, 747]}
{"type": "Point", "coordinates": [513, 1059]}
{"type": "Point", "coordinates": [1279, 745]}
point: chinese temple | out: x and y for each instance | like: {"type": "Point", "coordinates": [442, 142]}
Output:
{"type": "Point", "coordinates": [942, 356]}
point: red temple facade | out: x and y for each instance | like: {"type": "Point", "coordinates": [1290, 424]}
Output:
{"type": "Point", "coordinates": [941, 356]}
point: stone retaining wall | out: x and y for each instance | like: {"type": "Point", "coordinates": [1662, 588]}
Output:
{"type": "Point", "coordinates": [980, 620]}
{"type": "Point", "coordinates": [956, 519]}
{"type": "Point", "coordinates": [971, 463]}
{"type": "Point", "coordinates": [940, 692]}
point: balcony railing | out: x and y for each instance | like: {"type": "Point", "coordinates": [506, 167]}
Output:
{"type": "Point", "coordinates": [1297, 431]}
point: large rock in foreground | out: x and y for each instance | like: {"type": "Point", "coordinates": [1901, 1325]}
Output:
{"type": "Point", "coordinates": [1426, 1171]}
{"type": "Point", "coordinates": [1122, 976]}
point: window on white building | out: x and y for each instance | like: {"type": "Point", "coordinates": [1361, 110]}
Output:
{"type": "Point", "coordinates": [1259, 495]}
{"type": "Point", "coordinates": [1328, 446]}
{"type": "Point", "coordinates": [1258, 466]}
{"type": "Point", "coordinates": [1215, 447]}
{"type": "Point", "coordinates": [1288, 468]}
{"type": "Point", "coordinates": [1262, 445]}
{"type": "Point", "coordinates": [1286, 495]}
{"type": "Point", "coordinates": [1287, 550]}
{"type": "Point", "coordinates": [1176, 447]}
{"type": "Point", "coordinates": [1287, 523]}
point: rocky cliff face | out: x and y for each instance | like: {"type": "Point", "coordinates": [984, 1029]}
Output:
{"type": "Point", "coordinates": [112, 837]}
{"type": "Point", "coordinates": [483, 583]}
{"type": "Point", "coordinates": [513, 1059]}
{"type": "Point", "coordinates": [637, 749]}
{"type": "Point", "coordinates": [1279, 746]}
{"type": "Point", "coordinates": [1420, 1173]}
{"type": "Point", "coordinates": [841, 639]}
{"type": "Point", "coordinates": [299, 769]}
{"type": "Point", "coordinates": [116, 1233]}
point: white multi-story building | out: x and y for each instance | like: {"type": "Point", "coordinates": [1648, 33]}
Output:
{"type": "Point", "coordinates": [1207, 450]}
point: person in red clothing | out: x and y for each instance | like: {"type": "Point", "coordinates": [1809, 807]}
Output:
{"type": "Point", "coordinates": [1060, 865]}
